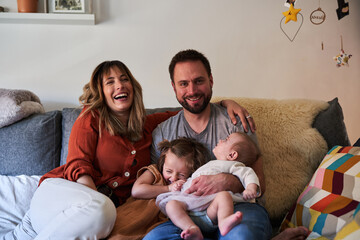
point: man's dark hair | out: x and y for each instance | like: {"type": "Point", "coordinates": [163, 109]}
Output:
{"type": "Point", "coordinates": [188, 55]}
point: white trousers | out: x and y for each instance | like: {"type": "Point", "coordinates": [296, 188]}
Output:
{"type": "Point", "coordinates": [65, 210]}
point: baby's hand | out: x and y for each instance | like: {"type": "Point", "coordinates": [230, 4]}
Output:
{"type": "Point", "coordinates": [176, 186]}
{"type": "Point", "coordinates": [249, 194]}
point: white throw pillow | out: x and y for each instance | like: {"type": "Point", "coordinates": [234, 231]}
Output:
{"type": "Point", "coordinates": [15, 196]}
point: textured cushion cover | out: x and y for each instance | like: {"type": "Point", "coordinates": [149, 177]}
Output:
{"type": "Point", "coordinates": [15, 195]}
{"type": "Point", "coordinates": [31, 146]}
{"type": "Point", "coordinates": [351, 230]}
{"type": "Point", "coordinates": [330, 202]}
{"type": "Point", "coordinates": [291, 148]}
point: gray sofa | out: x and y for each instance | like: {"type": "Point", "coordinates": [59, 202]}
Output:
{"type": "Point", "coordinates": [35, 145]}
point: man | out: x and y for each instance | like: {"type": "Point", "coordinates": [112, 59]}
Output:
{"type": "Point", "coordinates": [192, 81]}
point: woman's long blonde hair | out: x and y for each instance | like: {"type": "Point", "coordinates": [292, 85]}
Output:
{"type": "Point", "coordinates": [93, 98]}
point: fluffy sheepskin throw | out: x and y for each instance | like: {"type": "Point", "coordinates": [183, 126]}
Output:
{"type": "Point", "coordinates": [17, 104]}
{"type": "Point", "coordinates": [291, 148]}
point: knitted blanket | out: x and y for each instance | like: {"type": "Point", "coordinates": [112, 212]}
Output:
{"type": "Point", "coordinates": [17, 104]}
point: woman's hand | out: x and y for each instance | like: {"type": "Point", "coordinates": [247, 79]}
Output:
{"type": "Point", "coordinates": [87, 181]}
{"type": "Point", "coordinates": [234, 109]}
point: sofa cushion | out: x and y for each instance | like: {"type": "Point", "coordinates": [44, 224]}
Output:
{"type": "Point", "coordinates": [329, 204]}
{"type": "Point", "coordinates": [68, 119]}
{"type": "Point", "coordinates": [164, 109]}
{"type": "Point", "coordinates": [357, 143]}
{"type": "Point", "coordinates": [330, 123]}
{"type": "Point", "coordinates": [351, 230]}
{"type": "Point", "coordinates": [32, 146]}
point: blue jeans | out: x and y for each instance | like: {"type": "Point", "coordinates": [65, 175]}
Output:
{"type": "Point", "coordinates": [255, 225]}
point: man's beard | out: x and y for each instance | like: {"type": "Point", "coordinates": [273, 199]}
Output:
{"type": "Point", "coordinates": [197, 108]}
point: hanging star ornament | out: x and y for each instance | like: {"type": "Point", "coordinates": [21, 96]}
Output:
{"type": "Point", "coordinates": [342, 59]}
{"type": "Point", "coordinates": [291, 14]}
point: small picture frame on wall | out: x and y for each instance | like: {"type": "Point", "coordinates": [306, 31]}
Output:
{"type": "Point", "coordinates": [70, 6]}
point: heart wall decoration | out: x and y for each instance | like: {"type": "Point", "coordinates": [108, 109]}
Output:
{"type": "Point", "coordinates": [290, 16]}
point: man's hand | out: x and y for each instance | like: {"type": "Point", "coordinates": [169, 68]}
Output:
{"type": "Point", "coordinates": [210, 184]}
{"type": "Point", "coordinates": [298, 233]}
{"type": "Point", "coordinates": [234, 109]}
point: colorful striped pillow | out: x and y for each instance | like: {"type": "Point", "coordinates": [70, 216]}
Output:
{"type": "Point", "coordinates": [329, 204]}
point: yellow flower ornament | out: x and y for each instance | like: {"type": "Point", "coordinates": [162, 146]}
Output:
{"type": "Point", "coordinates": [291, 14]}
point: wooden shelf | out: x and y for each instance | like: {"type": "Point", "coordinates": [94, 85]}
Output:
{"type": "Point", "coordinates": [47, 18]}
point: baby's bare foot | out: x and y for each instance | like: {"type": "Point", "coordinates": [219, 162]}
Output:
{"type": "Point", "coordinates": [229, 222]}
{"type": "Point", "coordinates": [192, 233]}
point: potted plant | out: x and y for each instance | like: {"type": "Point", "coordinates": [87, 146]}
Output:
{"type": "Point", "coordinates": [27, 6]}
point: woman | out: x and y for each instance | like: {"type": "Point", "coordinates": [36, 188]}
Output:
{"type": "Point", "coordinates": [109, 142]}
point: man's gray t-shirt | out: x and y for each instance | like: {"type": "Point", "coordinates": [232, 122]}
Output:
{"type": "Point", "coordinates": [219, 127]}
